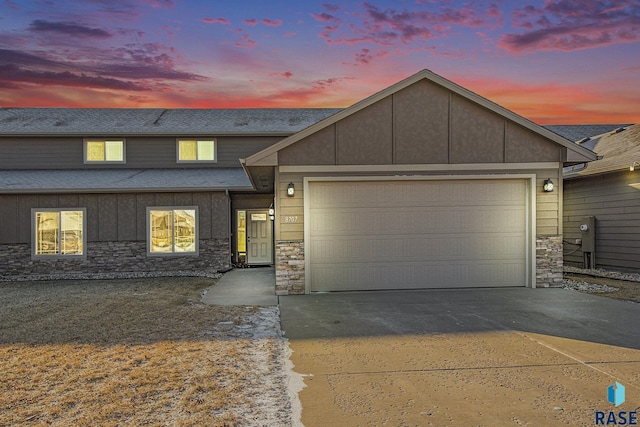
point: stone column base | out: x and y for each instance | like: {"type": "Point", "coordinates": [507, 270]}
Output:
{"type": "Point", "coordinates": [549, 261]}
{"type": "Point", "coordinates": [290, 267]}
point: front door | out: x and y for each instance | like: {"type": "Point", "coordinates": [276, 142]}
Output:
{"type": "Point", "coordinates": [259, 238]}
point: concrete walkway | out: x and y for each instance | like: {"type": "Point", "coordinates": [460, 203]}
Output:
{"type": "Point", "coordinates": [244, 286]}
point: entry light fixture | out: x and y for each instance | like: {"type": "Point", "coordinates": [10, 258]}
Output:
{"type": "Point", "coordinates": [272, 212]}
{"type": "Point", "coordinates": [633, 166]}
{"type": "Point", "coordinates": [291, 190]}
{"type": "Point", "coordinates": [548, 185]}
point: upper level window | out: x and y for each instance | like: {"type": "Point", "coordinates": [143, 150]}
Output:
{"type": "Point", "coordinates": [191, 150]}
{"type": "Point", "coordinates": [104, 151]}
{"type": "Point", "coordinates": [58, 232]}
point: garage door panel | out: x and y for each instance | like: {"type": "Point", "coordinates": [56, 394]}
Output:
{"type": "Point", "coordinates": [423, 275]}
{"type": "Point", "coordinates": [416, 234]}
{"type": "Point", "coordinates": [344, 249]}
{"type": "Point", "coordinates": [406, 193]}
{"type": "Point", "coordinates": [393, 220]}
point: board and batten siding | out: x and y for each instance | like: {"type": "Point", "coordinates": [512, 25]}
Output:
{"type": "Point", "coordinates": [141, 152]}
{"type": "Point", "coordinates": [290, 210]}
{"type": "Point", "coordinates": [614, 200]}
{"type": "Point", "coordinates": [113, 217]}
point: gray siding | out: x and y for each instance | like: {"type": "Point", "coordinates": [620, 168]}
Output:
{"type": "Point", "coordinates": [616, 207]}
{"type": "Point", "coordinates": [113, 217]}
{"type": "Point", "coordinates": [141, 152]}
{"type": "Point", "coordinates": [422, 124]}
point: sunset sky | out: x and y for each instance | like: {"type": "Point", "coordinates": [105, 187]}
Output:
{"type": "Point", "coordinates": [552, 61]}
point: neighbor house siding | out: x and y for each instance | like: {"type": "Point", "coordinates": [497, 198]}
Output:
{"type": "Point", "coordinates": [614, 201]}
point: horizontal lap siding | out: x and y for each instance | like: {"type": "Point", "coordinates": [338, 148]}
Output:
{"type": "Point", "coordinates": [615, 203]}
{"type": "Point", "coordinates": [141, 152]}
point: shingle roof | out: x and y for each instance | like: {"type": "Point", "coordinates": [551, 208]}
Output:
{"type": "Point", "coordinates": [116, 180]}
{"type": "Point", "coordinates": [157, 121]}
{"type": "Point", "coordinates": [617, 149]}
{"type": "Point", "coordinates": [578, 132]}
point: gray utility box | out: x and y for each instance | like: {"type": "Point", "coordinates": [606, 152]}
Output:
{"type": "Point", "coordinates": [588, 231]}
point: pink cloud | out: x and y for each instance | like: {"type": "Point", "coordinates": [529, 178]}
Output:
{"type": "Point", "coordinates": [572, 25]}
{"type": "Point", "coordinates": [223, 21]}
{"type": "Point", "coordinates": [286, 74]}
{"type": "Point", "coordinates": [272, 22]}
{"type": "Point", "coordinates": [246, 42]}
{"type": "Point", "coordinates": [250, 22]}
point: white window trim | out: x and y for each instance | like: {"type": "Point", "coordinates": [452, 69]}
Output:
{"type": "Point", "coordinates": [104, 162]}
{"type": "Point", "coordinates": [215, 150]}
{"type": "Point", "coordinates": [35, 256]}
{"type": "Point", "coordinates": [172, 254]}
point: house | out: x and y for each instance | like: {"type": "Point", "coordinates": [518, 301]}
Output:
{"type": "Point", "coordinates": [604, 195]}
{"type": "Point", "coordinates": [422, 185]}
{"type": "Point", "coordinates": [86, 191]}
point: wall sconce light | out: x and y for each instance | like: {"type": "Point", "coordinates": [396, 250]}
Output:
{"type": "Point", "coordinates": [633, 166]}
{"type": "Point", "coordinates": [548, 185]}
{"type": "Point", "coordinates": [291, 190]}
{"type": "Point", "coordinates": [272, 212]}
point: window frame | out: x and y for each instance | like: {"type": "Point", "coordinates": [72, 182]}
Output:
{"type": "Point", "coordinates": [86, 141]}
{"type": "Point", "coordinates": [173, 253]}
{"type": "Point", "coordinates": [58, 256]}
{"type": "Point", "coordinates": [197, 140]}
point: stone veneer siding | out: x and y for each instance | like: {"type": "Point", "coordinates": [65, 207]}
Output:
{"type": "Point", "coordinates": [290, 264]}
{"type": "Point", "coordinates": [289, 267]}
{"type": "Point", "coordinates": [549, 261]}
{"type": "Point", "coordinates": [113, 257]}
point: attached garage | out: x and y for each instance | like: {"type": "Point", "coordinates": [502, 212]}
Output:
{"type": "Point", "coordinates": [422, 185]}
{"type": "Point", "coordinates": [416, 233]}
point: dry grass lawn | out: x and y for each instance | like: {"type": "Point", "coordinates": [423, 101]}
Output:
{"type": "Point", "coordinates": [136, 352]}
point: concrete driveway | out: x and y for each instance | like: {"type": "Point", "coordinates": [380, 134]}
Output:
{"type": "Point", "coordinates": [486, 357]}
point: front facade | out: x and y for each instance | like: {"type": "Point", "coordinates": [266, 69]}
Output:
{"type": "Point", "coordinates": [423, 185]}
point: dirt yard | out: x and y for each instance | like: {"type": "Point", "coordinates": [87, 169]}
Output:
{"type": "Point", "coordinates": [137, 352]}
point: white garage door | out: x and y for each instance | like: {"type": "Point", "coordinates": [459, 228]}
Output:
{"type": "Point", "coordinates": [364, 235]}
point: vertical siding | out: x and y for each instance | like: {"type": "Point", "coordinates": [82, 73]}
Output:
{"type": "Point", "coordinates": [113, 217]}
{"type": "Point", "coordinates": [8, 218]}
{"type": "Point", "coordinates": [615, 203]}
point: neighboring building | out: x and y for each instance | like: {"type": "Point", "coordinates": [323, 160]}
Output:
{"type": "Point", "coordinates": [422, 185]}
{"type": "Point", "coordinates": [608, 191]}
{"type": "Point", "coordinates": [127, 190]}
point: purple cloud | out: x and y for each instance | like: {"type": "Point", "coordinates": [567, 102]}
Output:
{"type": "Point", "coordinates": [250, 22]}
{"type": "Point", "coordinates": [223, 21]}
{"type": "Point", "coordinates": [571, 25]}
{"type": "Point", "coordinates": [68, 28]}
{"type": "Point", "coordinates": [272, 22]}
{"type": "Point", "coordinates": [389, 26]}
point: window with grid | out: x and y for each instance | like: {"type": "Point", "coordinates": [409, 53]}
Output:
{"type": "Point", "coordinates": [172, 231]}
{"type": "Point", "coordinates": [59, 232]}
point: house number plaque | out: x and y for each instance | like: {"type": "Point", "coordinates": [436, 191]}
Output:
{"type": "Point", "coordinates": [290, 219]}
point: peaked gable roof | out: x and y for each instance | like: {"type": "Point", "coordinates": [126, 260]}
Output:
{"type": "Point", "coordinates": [575, 153]}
